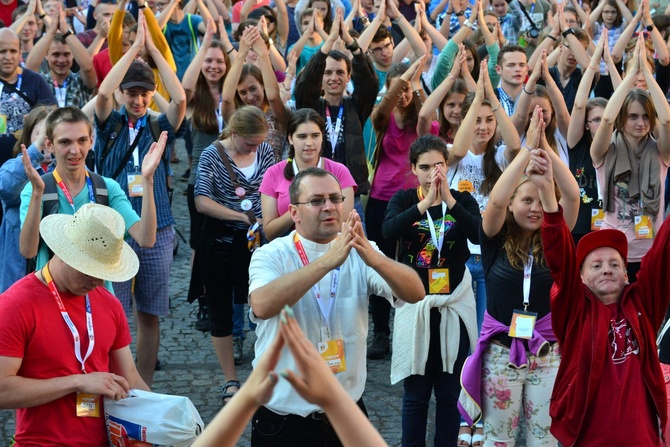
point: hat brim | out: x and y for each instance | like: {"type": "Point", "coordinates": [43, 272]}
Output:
{"type": "Point", "coordinates": [145, 85]}
{"type": "Point", "coordinates": [51, 230]}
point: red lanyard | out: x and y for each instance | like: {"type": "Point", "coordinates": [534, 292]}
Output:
{"type": "Point", "coordinates": [68, 196]}
{"type": "Point", "coordinates": [68, 320]}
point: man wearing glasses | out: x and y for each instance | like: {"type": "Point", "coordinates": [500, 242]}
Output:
{"type": "Point", "coordinates": [324, 270]}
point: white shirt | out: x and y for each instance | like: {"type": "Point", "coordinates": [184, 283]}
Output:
{"type": "Point", "coordinates": [348, 319]}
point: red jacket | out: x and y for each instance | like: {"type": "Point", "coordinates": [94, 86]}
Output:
{"type": "Point", "coordinates": [581, 324]}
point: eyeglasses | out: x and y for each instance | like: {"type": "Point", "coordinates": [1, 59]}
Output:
{"type": "Point", "coordinates": [379, 50]}
{"type": "Point", "coordinates": [320, 201]}
{"type": "Point", "coordinates": [594, 121]}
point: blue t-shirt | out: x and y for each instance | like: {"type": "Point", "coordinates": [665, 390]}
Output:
{"type": "Point", "coordinates": [183, 40]}
{"type": "Point", "coordinates": [305, 55]}
{"type": "Point", "coordinates": [117, 200]}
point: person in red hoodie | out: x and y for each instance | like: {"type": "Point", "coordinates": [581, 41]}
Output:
{"type": "Point", "coordinates": [609, 389]}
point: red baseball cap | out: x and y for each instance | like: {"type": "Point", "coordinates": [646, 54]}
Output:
{"type": "Point", "coordinates": [602, 238]}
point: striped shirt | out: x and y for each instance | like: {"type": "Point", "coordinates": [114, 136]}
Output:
{"type": "Point", "coordinates": [214, 182]}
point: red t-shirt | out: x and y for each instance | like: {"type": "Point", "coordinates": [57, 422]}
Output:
{"type": "Point", "coordinates": [7, 10]}
{"type": "Point", "coordinates": [33, 329]}
{"type": "Point", "coordinates": [102, 65]}
{"type": "Point", "coordinates": [623, 412]}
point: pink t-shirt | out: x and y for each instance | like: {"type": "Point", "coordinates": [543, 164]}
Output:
{"type": "Point", "coordinates": [394, 171]}
{"type": "Point", "coordinates": [275, 184]}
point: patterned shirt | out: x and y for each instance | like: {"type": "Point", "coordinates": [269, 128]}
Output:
{"type": "Point", "coordinates": [73, 92]}
{"type": "Point", "coordinates": [511, 23]}
{"type": "Point", "coordinates": [506, 101]}
{"type": "Point", "coordinates": [106, 131]}
{"type": "Point", "coordinates": [214, 182]}
{"type": "Point", "coordinates": [454, 24]}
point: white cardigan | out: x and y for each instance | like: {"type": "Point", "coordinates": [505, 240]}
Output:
{"type": "Point", "coordinates": [411, 330]}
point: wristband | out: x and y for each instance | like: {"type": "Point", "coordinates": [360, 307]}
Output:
{"type": "Point", "coordinates": [67, 34]}
{"type": "Point", "coordinates": [41, 16]}
{"type": "Point", "coordinates": [142, 6]}
{"type": "Point", "coordinates": [469, 24]}
{"type": "Point", "coordinates": [552, 38]}
{"type": "Point", "coordinates": [397, 20]}
{"type": "Point", "coordinates": [353, 46]}
{"type": "Point", "coordinates": [458, 14]}
{"type": "Point", "coordinates": [230, 51]}
{"type": "Point", "coordinates": [495, 109]}
{"type": "Point", "coordinates": [527, 92]}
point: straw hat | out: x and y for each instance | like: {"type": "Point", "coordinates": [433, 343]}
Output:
{"type": "Point", "coordinates": [91, 242]}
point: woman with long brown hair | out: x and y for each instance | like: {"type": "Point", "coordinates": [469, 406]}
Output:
{"type": "Point", "coordinates": [518, 283]}
{"type": "Point", "coordinates": [203, 84]}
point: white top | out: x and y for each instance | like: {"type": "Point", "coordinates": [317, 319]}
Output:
{"type": "Point", "coordinates": [471, 168]}
{"type": "Point", "coordinates": [348, 319]}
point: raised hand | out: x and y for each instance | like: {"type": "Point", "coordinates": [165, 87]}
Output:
{"type": "Point", "coordinates": [32, 174]}
{"type": "Point", "coordinates": [153, 157]}
{"type": "Point", "coordinates": [209, 35]}
{"type": "Point", "coordinates": [540, 169]}
{"type": "Point", "coordinates": [535, 129]}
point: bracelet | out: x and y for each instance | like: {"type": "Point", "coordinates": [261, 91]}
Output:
{"type": "Point", "coordinates": [460, 13]}
{"type": "Point", "coordinates": [397, 20]}
{"type": "Point", "coordinates": [468, 23]}
{"type": "Point", "coordinates": [230, 51]}
{"type": "Point", "coordinates": [594, 68]}
{"type": "Point", "coordinates": [527, 92]}
{"type": "Point", "coordinates": [289, 76]}
{"type": "Point", "coordinates": [417, 92]}
{"type": "Point", "coordinates": [142, 6]}
{"type": "Point", "coordinates": [41, 16]}
{"type": "Point", "coordinates": [452, 77]}
{"type": "Point", "coordinates": [67, 34]}
{"type": "Point", "coordinates": [552, 38]}
{"type": "Point", "coordinates": [495, 109]}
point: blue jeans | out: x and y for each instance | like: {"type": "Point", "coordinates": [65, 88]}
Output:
{"type": "Point", "coordinates": [474, 264]}
{"type": "Point", "coordinates": [446, 387]}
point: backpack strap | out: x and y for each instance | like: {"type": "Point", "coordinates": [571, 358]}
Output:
{"type": "Point", "coordinates": [109, 144]}
{"type": "Point", "coordinates": [50, 195]}
{"type": "Point", "coordinates": [100, 189]}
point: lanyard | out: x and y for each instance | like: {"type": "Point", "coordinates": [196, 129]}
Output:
{"type": "Point", "coordinates": [296, 170]}
{"type": "Point", "coordinates": [133, 131]}
{"type": "Point", "coordinates": [334, 133]}
{"type": "Point", "coordinates": [66, 191]}
{"type": "Point", "coordinates": [61, 93]}
{"type": "Point", "coordinates": [18, 83]}
{"type": "Point", "coordinates": [334, 282]}
{"type": "Point", "coordinates": [75, 333]}
{"type": "Point", "coordinates": [219, 118]}
{"type": "Point", "coordinates": [437, 242]}
{"type": "Point", "coordinates": [527, 268]}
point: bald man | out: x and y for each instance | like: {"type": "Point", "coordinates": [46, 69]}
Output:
{"type": "Point", "coordinates": [20, 90]}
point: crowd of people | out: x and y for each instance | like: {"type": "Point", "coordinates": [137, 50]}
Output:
{"type": "Point", "coordinates": [491, 174]}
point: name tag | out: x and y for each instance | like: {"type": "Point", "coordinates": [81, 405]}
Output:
{"type": "Point", "coordinates": [597, 218]}
{"type": "Point", "coordinates": [332, 352]}
{"type": "Point", "coordinates": [438, 281]}
{"type": "Point", "coordinates": [88, 405]}
{"type": "Point", "coordinates": [643, 227]}
{"type": "Point", "coordinates": [523, 324]}
{"type": "Point", "coordinates": [135, 185]}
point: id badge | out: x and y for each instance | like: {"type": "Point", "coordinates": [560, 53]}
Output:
{"type": "Point", "coordinates": [597, 218]}
{"type": "Point", "coordinates": [523, 324]}
{"type": "Point", "coordinates": [466, 185]}
{"type": "Point", "coordinates": [88, 405]}
{"type": "Point", "coordinates": [332, 352]}
{"type": "Point", "coordinates": [3, 124]}
{"type": "Point", "coordinates": [438, 281]}
{"type": "Point", "coordinates": [135, 185]}
{"type": "Point", "coordinates": [643, 227]}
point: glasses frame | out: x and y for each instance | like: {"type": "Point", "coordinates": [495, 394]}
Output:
{"type": "Point", "coordinates": [317, 202]}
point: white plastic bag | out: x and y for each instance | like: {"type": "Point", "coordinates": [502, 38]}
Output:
{"type": "Point", "coordinates": [155, 419]}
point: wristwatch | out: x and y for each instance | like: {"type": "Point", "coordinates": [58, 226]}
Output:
{"type": "Point", "coordinates": [469, 24]}
{"type": "Point", "coordinates": [650, 28]}
{"type": "Point", "coordinates": [458, 14]}
{"type": "Point", "coordinates": [568, 31]}
{"type": "Point", "coordinates": [67, 34]}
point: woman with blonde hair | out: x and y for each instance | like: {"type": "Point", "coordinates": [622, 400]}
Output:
{"type": "Point", "coordinates": [517, 324]}
{"type": "Point", "coordinates": [226, 192]}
